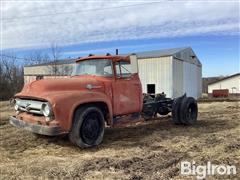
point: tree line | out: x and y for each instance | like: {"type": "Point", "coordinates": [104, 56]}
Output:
{"type": "Point", "coordinates": [11, 68]}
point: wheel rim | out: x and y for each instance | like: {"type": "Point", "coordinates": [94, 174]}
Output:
{"type": "Point", "coordinates": [90, 129]}
{"type": "Point", "coordinates": [192, 113]}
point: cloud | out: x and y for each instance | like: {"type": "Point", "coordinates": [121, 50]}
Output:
{"type": "Point", "coordinates": [25, 24]}
{"type": "Point", "coordinates": [112, 48]}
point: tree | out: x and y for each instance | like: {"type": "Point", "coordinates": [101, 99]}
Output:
{"type": "Point", "coordinates": [11, 76]}
{"type": "Point", "coordinates": [56, 54]}
{"type": "Point", "coordinates": [37, 57]}
{"type": "Point", "coordinates": [51, 58]}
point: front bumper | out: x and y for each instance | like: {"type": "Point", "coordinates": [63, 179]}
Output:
{"type": "Point", "coordinates": [36, 128]}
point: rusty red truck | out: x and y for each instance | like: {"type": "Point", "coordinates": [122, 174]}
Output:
{"type": "Point", "coordinates": [102, 91]}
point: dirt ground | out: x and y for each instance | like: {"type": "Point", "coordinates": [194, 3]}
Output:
{"type": "Point", "coordinates": [150, 151]}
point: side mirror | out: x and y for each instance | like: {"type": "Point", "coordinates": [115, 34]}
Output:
{"type": "Point", "coordinates": [134, 63]}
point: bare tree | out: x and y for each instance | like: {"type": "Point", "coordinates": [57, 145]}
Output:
{"type": "Point", "coordinates": [37, 57]}
{"type": "Point", "coordinates": [56, 54]}
{"type": "Point", "coordinates": [52, 58]}
{"type": "Point", "coordinates": [11, 69]}
{"type": "Point", "coordinates": [11, 76]}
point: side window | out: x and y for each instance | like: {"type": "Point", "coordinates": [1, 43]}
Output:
{"type": "Point", "coordinates": [123, 69]}
{"type": "Point", "coordinates": [108, 70]}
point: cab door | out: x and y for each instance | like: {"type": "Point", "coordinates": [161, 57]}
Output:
{"type": "Point", "coordinates": [127, 90]}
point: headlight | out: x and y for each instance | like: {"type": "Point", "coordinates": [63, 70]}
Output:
{"type": "Point", "coordinates": [16, 107]}
{"type": "Point", "coordinates": [14, 103]}
{"type": "Point", "coordinates": [46, 110]}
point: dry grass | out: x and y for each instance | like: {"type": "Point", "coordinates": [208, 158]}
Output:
{"type": "Point", "coordinates": [5, 111]}
{"type": "Point", "coordinates": [150, 151]}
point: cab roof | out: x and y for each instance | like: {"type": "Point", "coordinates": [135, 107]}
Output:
{"type": "Point", "coordinates": [112, 57]}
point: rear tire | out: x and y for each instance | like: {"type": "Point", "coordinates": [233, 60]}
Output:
{"type": "Point", "coordinates": [189, 111]}
{"type": "Point", "coordinates": [176, 110]}
{"type": "Point", "coordinates": [88, 127]}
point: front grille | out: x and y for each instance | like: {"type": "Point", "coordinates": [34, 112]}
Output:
{"type": "Point", "coordinates": [30, 106]}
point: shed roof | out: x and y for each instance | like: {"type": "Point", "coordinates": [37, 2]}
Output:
{"type": "Point", "coordinates": [228, 77]}
{"type": "Point", "coordinates": [160, 53]}
{"type": "Point", "coordinates": [177, 53]}
{"type": "Point", "coordinates": [140, 55]}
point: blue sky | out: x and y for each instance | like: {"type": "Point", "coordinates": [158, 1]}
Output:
{"type": "Point", "coordinates": [211, 28]}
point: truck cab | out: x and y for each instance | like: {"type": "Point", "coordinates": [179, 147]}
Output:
{"type": "Point", "coordinates": [100, 90]}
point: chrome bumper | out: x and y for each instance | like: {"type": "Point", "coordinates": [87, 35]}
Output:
{"type": "Point", "coordinates": [36, 128]}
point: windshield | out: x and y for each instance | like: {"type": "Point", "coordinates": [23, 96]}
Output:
{"type": "Point", "coordinates": [98, 67]}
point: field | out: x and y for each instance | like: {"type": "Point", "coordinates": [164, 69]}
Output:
{"type": "Point", "coordinates": [152, 150]}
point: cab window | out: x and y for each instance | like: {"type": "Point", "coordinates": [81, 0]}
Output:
{"type": "Point", "coordinates": [123, 69]}
{"type": "Point", "coordinates": [97, 67]}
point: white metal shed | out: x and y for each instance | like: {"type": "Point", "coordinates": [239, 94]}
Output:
{"type": "Point", "coordinates": [232, 83]}
{"type": "Point", "coordinates": [172, 71]}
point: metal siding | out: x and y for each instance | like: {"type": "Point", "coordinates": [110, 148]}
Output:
{"type": "Point", "coordinates": [177, 78]}
{"type": "Point", "coordinates": [199, 74]}
{"type": "Point", "coordinates": [156, 71]}
{"type": "Point", "coordinates": [233, 84]}
{"type": "Point", "coordinates": [192, 80]}
{"type": "Point", "coordinates": [171, 76]}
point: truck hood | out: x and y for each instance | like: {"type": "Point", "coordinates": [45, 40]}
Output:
{"type": "Point", "coordinates": [45, 86]}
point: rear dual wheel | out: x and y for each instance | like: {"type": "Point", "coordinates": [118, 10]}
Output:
{"type": "Point", "coordinates": [185, 110]}
{"type": "Point", "coordinates": [176, 110]}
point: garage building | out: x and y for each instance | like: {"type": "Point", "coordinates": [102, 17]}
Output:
{"type": "Point", "coordinates": [55, 69]}
{"type": "Point", "coordinates": [172, 71]}
{"type": "Point", "coordinates": [232, 83]}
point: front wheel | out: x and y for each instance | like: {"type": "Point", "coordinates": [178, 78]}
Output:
{"type": "Point", "coordinates": [88, 127]}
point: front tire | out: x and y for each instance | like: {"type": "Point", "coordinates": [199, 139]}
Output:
{"type": "Point", "coordinates": [88, 127]}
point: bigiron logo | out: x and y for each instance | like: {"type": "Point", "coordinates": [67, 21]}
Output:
{"type": "Point", "coordinates": [201, 171]}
